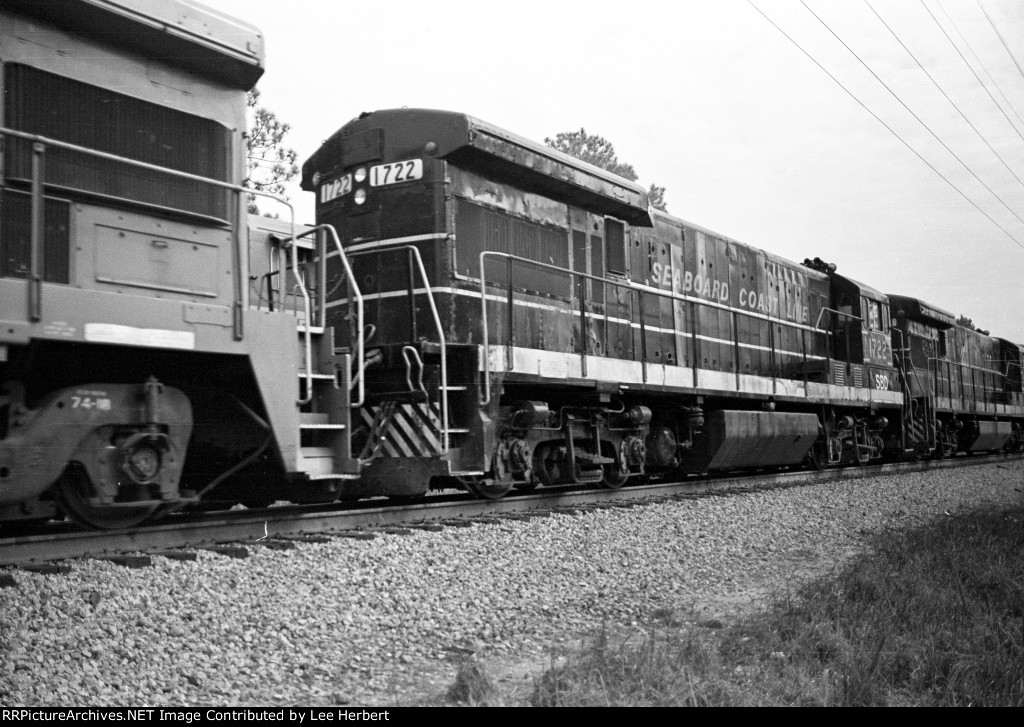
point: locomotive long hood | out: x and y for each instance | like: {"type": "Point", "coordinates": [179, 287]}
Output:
{"type": "Point", "coordinates": [180, 32]}
{"type": "Point", "coordinates": [476, 144]}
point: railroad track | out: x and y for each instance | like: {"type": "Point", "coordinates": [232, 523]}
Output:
{"type": "Point", "coordinates": [232, 532]}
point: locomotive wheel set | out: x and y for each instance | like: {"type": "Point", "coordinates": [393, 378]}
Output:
{"type": "Point", "coordinates": [471, 310]}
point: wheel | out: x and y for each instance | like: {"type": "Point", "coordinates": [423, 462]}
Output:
{"type": "Point", "coordinates": [540, 467]}
{"type": "Point", "coordinates": [485, 488]}
{"type": "Point", "coordinates": [817, 457]}
{"type": "Point", "coordinates": [943, 449]}
{"type": "Point", "coordinates": [612, 476]}
{"type": "Point", "coordinates": [861, 456]}
{"type": "Point", "coordinates": [72, 489]}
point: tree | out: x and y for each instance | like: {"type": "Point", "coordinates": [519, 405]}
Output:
{"type": "Point", "coordinates": [600, 152]}
{"type": "Point", "coordinates": [269, 164]}
{"type": "Point", "coordinates": [962, 320]}
{"type": "Point", "coordinates": [656, 195]}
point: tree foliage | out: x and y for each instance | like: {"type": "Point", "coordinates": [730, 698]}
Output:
{"type": "Point", "coordinates": [656, 195]}
{"type": "Point", "coordinates": [269, 164]}
{"type": "Point", "coordinates": [600, 152]}
{"type": "Point", "coordinates": [592, 149]}
{"type": "Point", "coordinates": [962, 320]}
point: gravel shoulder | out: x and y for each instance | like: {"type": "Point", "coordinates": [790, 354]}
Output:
{"type": "Point", "coordinates": [385, 622]}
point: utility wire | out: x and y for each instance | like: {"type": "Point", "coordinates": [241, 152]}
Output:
{"type": "Point", "coordinates": [911, 112]}
{"type": "Point", "coordinates": [971, 68]}
{"type": "Point", "coordinates": [1001, 39]}
{"type": "Point", "coordinates": [952, 103]}
{"type": "Point", "coordinates": [879, 120]}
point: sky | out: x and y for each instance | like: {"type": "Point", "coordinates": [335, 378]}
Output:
{"type": "Point", "coordinates": [750, 136]}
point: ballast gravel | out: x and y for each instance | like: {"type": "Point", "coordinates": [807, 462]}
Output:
{"type": "Point", "coordinates": [358, 621]}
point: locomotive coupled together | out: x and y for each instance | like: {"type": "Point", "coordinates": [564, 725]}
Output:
{"type": "Point", "coordinates": [471, 309]}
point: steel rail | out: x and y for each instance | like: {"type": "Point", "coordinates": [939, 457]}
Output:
{"type": "Point", "coordinates": [252, 528]}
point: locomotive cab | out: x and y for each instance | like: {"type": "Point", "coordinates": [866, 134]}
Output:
{"type": "Point", "coordinates": [861, 337]}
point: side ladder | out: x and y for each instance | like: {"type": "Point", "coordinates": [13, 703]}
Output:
{"type": "Point", "coordinates": [326, 381]}
{"type": "Point", "coordinates": [919, 425]}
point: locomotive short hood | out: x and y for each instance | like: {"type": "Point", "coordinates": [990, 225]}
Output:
{"type": "Point", "coordinates": [476, 144]}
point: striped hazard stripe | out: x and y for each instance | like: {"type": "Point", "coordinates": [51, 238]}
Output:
{"type": "Point", "coordinates": [414, 431]}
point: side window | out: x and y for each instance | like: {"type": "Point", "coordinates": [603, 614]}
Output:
{"type": "Point", "coordinates": [864, 315]}
{"type": "Point", "coordinates": [579, 261]}
{"type": "Point", "coordinates": [615, 242]}
{"type": "Point", "coordinates": [874, 315]}
{"type": "Point", "coordinates": [596, 266]}
{"type": "Point", "coordinates": [845, 317]}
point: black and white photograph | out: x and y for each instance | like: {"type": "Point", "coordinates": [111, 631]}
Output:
{"type": "Point", "coordinates": [358, 358]}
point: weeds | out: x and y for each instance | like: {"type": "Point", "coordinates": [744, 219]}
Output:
{"type": "Point", "coordinates": [472, 686]}
{"type": "Point", "coordinates": [934, 617]}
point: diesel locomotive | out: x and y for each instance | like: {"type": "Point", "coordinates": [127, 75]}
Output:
{"type": "Point", "coordinates": [534, 322]}
{"type": "Point", "coordinates": [471, 309]}
{"type": "Point", "coordinates": [144, 363]}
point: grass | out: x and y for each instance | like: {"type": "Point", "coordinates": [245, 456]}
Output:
{"type": "Point", "coordinates": [472, 686]}
{"type": "Point", "coordinates": [932, 617]}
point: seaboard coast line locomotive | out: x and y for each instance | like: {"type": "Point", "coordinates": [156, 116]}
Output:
{"type": "Point", "coordinates": [471, 309]}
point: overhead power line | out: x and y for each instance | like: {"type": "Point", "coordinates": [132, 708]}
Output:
{"type": "Point", "coordinates": [942, 91]}
{"type": "Point", "coordinates": [1001, 39]}
{"type": "Point", "coordinates": [911, 112]}
{"type": "Point", "coordinates": [971, 68]}
{"type": "Point", "coordinates": [889, 128]}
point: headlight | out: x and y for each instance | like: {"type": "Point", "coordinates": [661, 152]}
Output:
{"type": "Point", "coordinates": [361, 174]}
{"type": "Point", "coordinates": [360, 196]}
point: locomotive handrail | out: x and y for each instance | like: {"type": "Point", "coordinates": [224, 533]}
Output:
{"type": "Point", "coordinates": [357, 294]}
{"type": "Point", "coordinates": [973, 383]}
{"type": "Point", "coordinates": [823, 311]}
{"type": "Point", "coordinates": [908, 365]}
{"type": "Point", "coordinates": [964, 364]}
{"type": "Point", "coordinates": [414, 251]}
{"type": "Point", "coordinates": [289, 246]}
{"type": "Point", "coordinates": [241, 288]}
{"type": "Point", "coordinates": [629, 285]}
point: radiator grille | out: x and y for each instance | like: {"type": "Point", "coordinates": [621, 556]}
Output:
{"type": "Point", "coordinates": [78, 113]}
{"type": "Point", "coordinates": [16, 237]}
{"type": "Point", "coordinates": [839, 372]}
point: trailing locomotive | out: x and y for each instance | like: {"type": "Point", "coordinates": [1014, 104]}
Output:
{"type": "Point", "coordinates": [533, 322]}
{"type": "Point", "coordinates": [145, 365]}
{"type": "Point", "coordinates": [472, 309]}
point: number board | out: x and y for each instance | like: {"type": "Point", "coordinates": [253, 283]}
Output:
{"type": "Point", "coordinates": [396, 172]}
{"type": "Point", "coordinates": [335, 188]}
